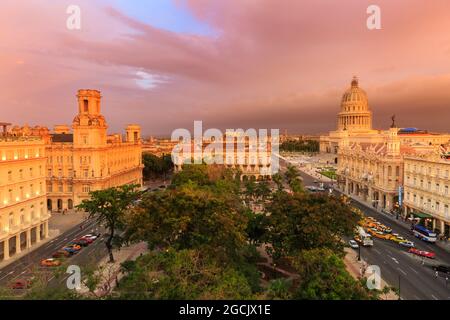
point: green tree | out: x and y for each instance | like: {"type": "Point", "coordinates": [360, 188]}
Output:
{"type": "Point", "coordinates": [108, 208]}
{"type": "Point", "coordinates": [156, 167]}
{"type": "Point", "coordinates": [323, 276]}
{"type": "Point", "coordinates": [278, 179]}
{"type": "Point", "coordinates": [304, 221]}
{"type": "Point", "coordinates": [183, 274]}
{"type": "Point", "coordinates": [190, 217]}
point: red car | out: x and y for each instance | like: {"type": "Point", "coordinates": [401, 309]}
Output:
{"type": "Point", "coordinates": [21, 284]}
{"type": "Point", "coordinates": [422, 253]}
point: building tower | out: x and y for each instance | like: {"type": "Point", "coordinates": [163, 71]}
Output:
{"type": "Point", "coordinates": [355, 115]}
{"type": "Point", "coordinates": [89, 126]}
{"type": "Point", "coordinates": [133, 133]}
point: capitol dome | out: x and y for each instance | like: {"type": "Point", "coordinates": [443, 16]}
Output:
{"type": "Point", "coordinates": [355, 114]}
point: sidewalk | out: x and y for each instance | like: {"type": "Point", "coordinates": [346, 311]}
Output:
{"type": "Point", "coordinates": [355, 267]}
{"type": "Point", "coordinates": [110, 273]}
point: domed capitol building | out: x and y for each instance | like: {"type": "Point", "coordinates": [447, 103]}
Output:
{"type": "Point", "coordinates": [398, 170]}
{"type": "Point", "coordinates": [355, 122]}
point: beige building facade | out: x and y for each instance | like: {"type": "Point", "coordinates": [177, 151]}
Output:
{"type": "Point", "coordinates": [373, 172]}
{"type": "Point", "coordinates": [82, 158]}
{"type": "Point", "coordinates": [427, 195]}
{"type": "Point", "coordinates": [371, 163]}
{"type": "Point", "coordinates": [23, 211]}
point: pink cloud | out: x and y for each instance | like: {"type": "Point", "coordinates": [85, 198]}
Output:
{"type": "Point", "coordinates": [269, 63]}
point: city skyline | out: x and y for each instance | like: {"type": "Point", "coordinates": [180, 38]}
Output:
{"type": "Point", "coordinates": [167, 64]}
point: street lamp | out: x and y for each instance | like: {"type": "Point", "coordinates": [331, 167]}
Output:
{"type": "Point", "coordinates": [359, 252]}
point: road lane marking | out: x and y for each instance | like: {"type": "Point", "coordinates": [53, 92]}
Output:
{"type": "Point", "coordinates": [376, 251]}
{"type": "Point", "coordinates": [402, 271]}
{"type": "Point", "coordinates": [395, 260]}
{"type": "Point", "coordinates": [434, 297]}
{"type": "Point", "coordinates": [414, 270]}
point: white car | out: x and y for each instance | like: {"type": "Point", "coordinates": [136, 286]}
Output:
{"type": "Point", "coordinates": [353, 244]}
{"type": "Point", "coordinates": [408, 244]}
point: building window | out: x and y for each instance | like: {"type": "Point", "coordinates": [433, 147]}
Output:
{"type": "Point", "coordinates": [86, 105]}
{"type": "Point", "coordinates": [86, 188]}
{"type": "Point", "coordinates": [60, 173]}
{"type": "Point", "coordinates": [446, 190]}
{"type": "Point", "coordinates": [49, 188]}
{"type": "Point", "coordinates": [446, 210]}
{"type": "Point", "coordinates": [60, 187]}
{"type": "Point", "coordinates": [11, 219]}
{"type": "Point", "coordinates": [49, 172]}
{"type": "Point", "coordinates": [437, 206]}
{"type": "Point", "coordinates": [86, 173]}
{"type": "Point", "coordinates": [9, 175]}
{"type": "Point", "coordinates": [70, 188]}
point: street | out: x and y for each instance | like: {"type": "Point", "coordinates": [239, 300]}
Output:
{"type": "Point", "coordinates": [28, 265]}
{"type": "Point", "coordinates": [417, 281]}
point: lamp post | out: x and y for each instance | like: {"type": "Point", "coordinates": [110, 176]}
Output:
{"type": "Point", "coordinates": [359, 252]}
{"type": "Point", "coordinates": [399, 297]}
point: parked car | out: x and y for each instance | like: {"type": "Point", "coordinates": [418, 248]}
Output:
{"type": "Point", "coordinates": [442, 268]}
{"type": "Point", "coordinates": [408, 244]}
{"type": "Point", "coordinates": [52, 262]}
{"type": "Point", "coordinates": [426, 254]}
{"type": "Point", "coordinates": [353, 244]}
{"type": "Point", "coordinates": [73, 245]}
{"type": "Point", "coordinates": [21, 284]}
{"type": "Point", "coordinates": [82, 242]}
{"type": "Point", "coordinates": [91, 236]}
{"type": "Point", "coordinates": [62, 254]}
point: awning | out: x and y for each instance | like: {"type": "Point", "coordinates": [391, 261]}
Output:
{"type": "Point", "coordinates": [421, 215]}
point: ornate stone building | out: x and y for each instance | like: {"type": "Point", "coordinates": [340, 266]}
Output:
{"type": "Point", "coordinates": [373, 172]}
{"type": "Point", "coordinates": [23, 211]}
{"type": "Point", "coordinates": [253, 159]}
{"type": "Point", "coordinates": [427, 183]}
{"type": "Point", "coordinates": [86, 158]}
{"type": "Point", "coordinates": [355, 121]}
{"type": "Point", "coordinates": [371, 162]}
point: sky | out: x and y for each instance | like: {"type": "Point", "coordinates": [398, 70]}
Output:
{"type": "Point", "coordinates": [274, 64]}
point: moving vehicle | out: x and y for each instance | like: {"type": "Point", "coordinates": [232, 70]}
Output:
{"type": "Point", "coordinates": [398, 239]}
{"type": "Point", "coordinates": [364, 238]}
{"type": "Point", "coordinates": [422, 253]}
{"type": "Point", "coordinates": [353, 244]}
{"type": "Point", "coordinates": [52, 262]}
{"type": "Point", "coordinates": [424, 234]}
{"type": "Point", "coordinates": [408, 244]}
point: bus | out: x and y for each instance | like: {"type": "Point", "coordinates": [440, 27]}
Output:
{"type": "Point", "coordinates": [363, 237]}
{"type": "Point", "coordinates": [424, 234]}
